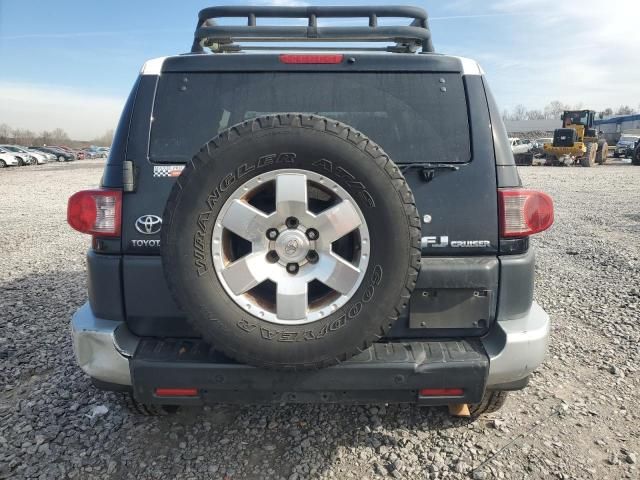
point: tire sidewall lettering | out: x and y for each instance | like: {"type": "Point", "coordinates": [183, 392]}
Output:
{"type": "Point", "coordinates": [333, 324]}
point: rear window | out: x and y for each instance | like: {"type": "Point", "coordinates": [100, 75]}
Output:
{"type": "Point", "coordinates": [415, 117]}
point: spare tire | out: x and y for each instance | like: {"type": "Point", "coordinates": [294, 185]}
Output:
{"type": "Point", "coordinates": [291, 241]}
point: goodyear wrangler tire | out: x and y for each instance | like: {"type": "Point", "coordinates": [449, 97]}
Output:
{"type": "Point", "coordinates": [291, 241]}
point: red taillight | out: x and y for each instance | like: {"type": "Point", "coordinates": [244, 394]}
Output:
{"type": "Point", "coordinates": [176, 392]}
{"type": "Point", "coordinates": [524, 212]}
{"type": "Point", "coordinates": [311, 59]}
{"type": "Point", "coordinates": [440, 392]}
{"type": "Point", "coordinates": [96, 212]}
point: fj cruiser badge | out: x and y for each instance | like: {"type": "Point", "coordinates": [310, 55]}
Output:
{"type": "Point", "coordinates": [443, 241]}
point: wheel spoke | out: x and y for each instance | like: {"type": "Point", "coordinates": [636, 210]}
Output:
{"type": "Point", "coordinates": [291, 299]}
{"type": "Point", "coordinates": [291, 194]}
{"type": "Point", "coordinates": [337, 273]}
{"type": "Point", "coordinates": [337, 221]}
{"type": "Point", "coordinates": [246, 273]}
{"type": "Point", "coordinates": [245, 220]}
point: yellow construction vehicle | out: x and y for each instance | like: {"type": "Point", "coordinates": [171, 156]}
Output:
{"type": "Point", "coordinates": [577, 141]}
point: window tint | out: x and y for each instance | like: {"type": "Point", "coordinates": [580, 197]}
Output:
{"type": "Point", "coordinates": [415, 117]}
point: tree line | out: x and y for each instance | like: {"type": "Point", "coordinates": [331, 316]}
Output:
{"type": "Point", "coordinates": [554, 109]}
{"type": "Point", "coordinates": [57, 136]}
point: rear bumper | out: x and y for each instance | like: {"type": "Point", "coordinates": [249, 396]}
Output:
{"type": "Point", "coordinates": [503, 359]}
{"type": "Point", "coordinates": [102, 347]}
{"type": "Point", "coordinates": [394, 372]}
{"type": "Point", "coordinates": [384, 373]}
{"type": "Point", "coordinates": [516, 347]}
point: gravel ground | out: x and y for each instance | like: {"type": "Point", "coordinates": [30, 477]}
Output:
{"type": "Point", "coordinates": [576, 420]}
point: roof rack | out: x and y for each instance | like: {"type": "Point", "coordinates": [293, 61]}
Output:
{"type": "Point", "coordinates": [223, 38]}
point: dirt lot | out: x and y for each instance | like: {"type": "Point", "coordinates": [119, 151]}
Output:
{"type": "Point", "coordinates": [576, 420]}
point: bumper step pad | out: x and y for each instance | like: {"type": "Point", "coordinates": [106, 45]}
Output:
{"type": "Point", "coordinates": [385, 372]}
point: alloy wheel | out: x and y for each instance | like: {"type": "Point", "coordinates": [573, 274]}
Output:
{"type": "Point", "coordinates": [290, 246]}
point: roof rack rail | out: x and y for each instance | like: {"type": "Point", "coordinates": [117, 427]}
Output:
{"type": "Point", "coordinates": [223, 38]}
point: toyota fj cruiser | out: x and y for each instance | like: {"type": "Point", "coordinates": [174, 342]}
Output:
{"type": "Point", "coordinates": [311, 224]}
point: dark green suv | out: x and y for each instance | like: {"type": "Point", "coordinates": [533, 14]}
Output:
{"type": "Point", "coordinates": [284, 222]}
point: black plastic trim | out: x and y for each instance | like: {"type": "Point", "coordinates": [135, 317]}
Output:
{"type": "Point", "coordinates": [458, 272]}
{"type": "Point", "coordinates": [517, 273]}
{"type": "Point", "coordinates": [511, 386]}
{"type": "Point", "coordinates": [514, 246]}
{"type": "Point", "coordinates": [150, 307]}
{"type": "Point", "coordinates": [104, 285]}
{"type": "Point", "coordinates": [386, 372]}
{"type": "Point", "coordinates": [111, 387]}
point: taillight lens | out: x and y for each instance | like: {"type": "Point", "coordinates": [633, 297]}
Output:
{"type": "Point", "coordinates": [96, 212]}
{"type": "Point", "coordinates": [311, 59]}
{"type": "Point", "coordinates": [524, 212]}
{"type": "Point", "coordinates": [440, 392]}
{"type": "Point", "coordinates": [176, 392]}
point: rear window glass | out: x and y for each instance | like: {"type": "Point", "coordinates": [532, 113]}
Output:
{"type": "Point", "coordinates": [415, 117]}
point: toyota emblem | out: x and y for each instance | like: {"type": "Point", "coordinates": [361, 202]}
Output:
{"type": "Point", "coordinates": [149, 224]}
{"type": "Point", "coordinates": [291, 247]}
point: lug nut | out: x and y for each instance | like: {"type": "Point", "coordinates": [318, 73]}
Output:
{"type": "Point", "coordinates": [312, 234]}
{"type": "Point", "coordinates": [272, 233]}
{"type": "Point", "coordinates": [292, 222]}
{"type": "Point", "coordinates": [272, 256]}
{"type": "Point", "coordinates": [293, 268]}
{"type": "Point", "coordinates": [312, 256]}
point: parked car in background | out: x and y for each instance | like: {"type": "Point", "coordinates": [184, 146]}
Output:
{"type": "Point", "coordinates": [61, 155]}
{"type": "Point", "coordinates": [22, 158]}
{"type": "Point", "coordinates": [89, 153]}
{"type": "Point", "coordinates": [38, 157]}
{"type": "Point", "coordinates": [7, 159]}
{"type": "Point", "coordinates": [75, 153]}
{"type": "Point", "coordinates": [104, 151]}
{"type": "Point", "coordinates": [97, 152]}
{"type": "Point", "coordinates": [521, 151]}
{"type": "Point", "coordinates": [625, 146]}
{"type": "Point", "coordinates": [50, 157]}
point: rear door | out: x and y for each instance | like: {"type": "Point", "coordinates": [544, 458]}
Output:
{"type": "Point", "coordinates": [431, 120]}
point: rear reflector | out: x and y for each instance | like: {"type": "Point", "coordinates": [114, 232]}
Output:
{"type": "Point", "coordinates": [524, 212]}
{"type": "Point", "coordinates": [311, 59]}
{"type": "Point", "coordinates": [176, 392]}
{"type": "Point", "coordinates": [96, 212]}
{"type": "Point", "coordinates": [440, 392]}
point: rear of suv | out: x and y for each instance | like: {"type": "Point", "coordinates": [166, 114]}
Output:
{"type": "Point", "coordinates": [311, 224]}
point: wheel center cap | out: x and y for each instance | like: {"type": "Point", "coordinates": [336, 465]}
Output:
{"type": "Point", "coordinates": [292, 246]}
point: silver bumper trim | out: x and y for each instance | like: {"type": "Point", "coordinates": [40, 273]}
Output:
{"type": "Point", "coordinates": [516, 347]}
{"type": "Point", "coordinates": [102, 347]}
